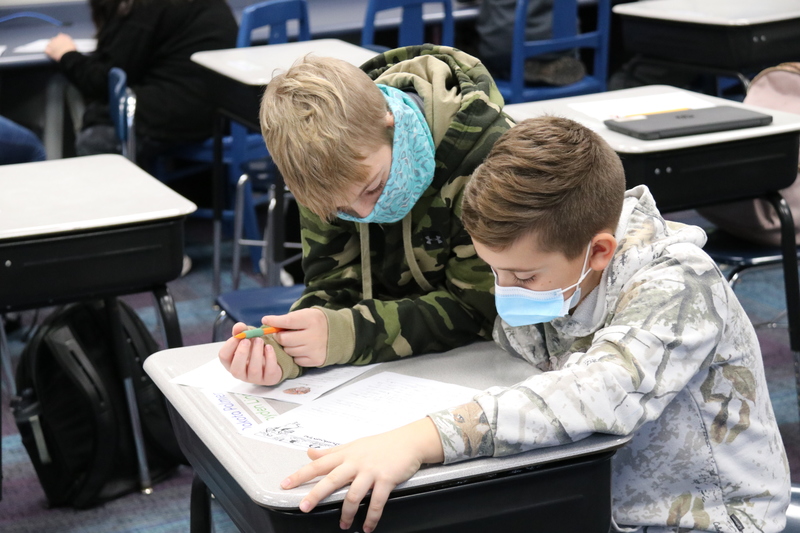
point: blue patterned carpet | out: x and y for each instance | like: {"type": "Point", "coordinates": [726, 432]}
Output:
{"type": "Point", "coordinates": [23, 508]}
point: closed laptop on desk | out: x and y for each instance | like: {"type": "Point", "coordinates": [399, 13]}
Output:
{"type": "Point", "coordinates": [687, 122]}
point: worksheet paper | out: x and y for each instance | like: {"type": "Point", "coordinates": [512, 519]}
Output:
{"type": "Point", "coordinates": [37, 47]}
{"type": "Point", "coordinates": [640, 105]}
{"type": "Point", "coordinates": [244, 411]}
{"type": "Point", "coordinates": [310, 386]}
{"type": "Point", "coordinates": [373, 405]}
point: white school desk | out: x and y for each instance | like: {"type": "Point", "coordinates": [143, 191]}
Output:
{"type": "Point", "coordinates": [713, 35]}
{"type": "Point", "coordinates": [563, 488]}
{"type": "Point", "coordinates": [698, 170]}
{"type": "Point", "coordinates": [236, 80]}
{"type": "Point", "coordinates": [13, 33]}
{"type": "Point", "coordinates": [87, 228]}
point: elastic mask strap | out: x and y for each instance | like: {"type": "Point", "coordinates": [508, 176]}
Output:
{"type": "Point", "coordinates": [583, 274]}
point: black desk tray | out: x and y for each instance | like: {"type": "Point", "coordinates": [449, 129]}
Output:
{"type": "Point", "coordinates": [738, 48]}
{"type": "Point", "coordinates": [235, 99]}
{"type": "Point", "coordinates": [715, 173]}
{"type": "Point", "coordinates": [539, 499]}
{"type": "Point", "coordinates": [60, 268]}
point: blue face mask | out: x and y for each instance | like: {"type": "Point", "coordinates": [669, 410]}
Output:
{"type": "Point", "coordinates": [519, 306]}
{"type": "Point", "coordinates": [412, 161]}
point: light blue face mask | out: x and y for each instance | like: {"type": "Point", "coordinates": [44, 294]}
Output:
{"type": "Point", "coordinates": [519, 306]}
{"type": "Point", "coordinates": [412, 161]}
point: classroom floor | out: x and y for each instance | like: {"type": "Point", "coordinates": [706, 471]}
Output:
{"type": "Point", "coordinates": [23, 508]}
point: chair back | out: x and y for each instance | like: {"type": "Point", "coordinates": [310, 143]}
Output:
{"type": "Point", "coordinates": [275, 14]}
{"type": "Point", "coordinates": [565, 37]}
{"type": "Point", "coordinates": [122, 107]}
{"type": "Point", "coordinates": [412, 23]}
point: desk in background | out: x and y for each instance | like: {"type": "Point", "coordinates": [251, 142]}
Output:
{"type": "Point", "coordinates": [723, 37]}
{"type": "Point", "coordinates": [34, 73]}
{"type": "Point", "coordinates": [86, 228]}
{"type": "Point", "coordinates": [236, 80]}
{"type": "Point", "coordinates": [563, 488]}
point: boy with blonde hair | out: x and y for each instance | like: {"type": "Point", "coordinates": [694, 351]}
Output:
{"type": "Point", "coordinates": [634, 331]}
{"type": "Point", "coordinates": [377, 159]}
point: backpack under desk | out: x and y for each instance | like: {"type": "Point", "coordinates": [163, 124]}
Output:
{"type": "Point", "coordinates": [87, 228]}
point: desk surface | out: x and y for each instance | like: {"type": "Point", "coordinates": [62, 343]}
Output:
{"type": "Point", "coordinates": [82, 193]}
{"type": "Point", "coordinates": [782, 122]}
{"type": "Point", "coordinates": [76, 17]}
{"type": "Point", "coordinates": [256, 65]}
{"type": "Point", "coordinates": [716, 12]}
{"type": "Point", "coordinates": [259, 466]}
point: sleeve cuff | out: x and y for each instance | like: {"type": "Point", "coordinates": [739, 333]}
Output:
{"type": "Point", "coordinates": [289, 368]}
{"type": "Point", "coordinates": [341, 336]}
{"type": "Point", "coordinates": [464, 432]}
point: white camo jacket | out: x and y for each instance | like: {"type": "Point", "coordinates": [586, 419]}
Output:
{"type": "Point", "coordinates": [662, 350]}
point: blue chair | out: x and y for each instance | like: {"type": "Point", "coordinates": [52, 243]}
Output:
{"type": "Point", "coordinates": [412, 24]}
{"type": "Point", "coordinates": [565, 38]}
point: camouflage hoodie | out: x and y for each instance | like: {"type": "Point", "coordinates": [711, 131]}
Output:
{"type": "Point", "coordinates": [661, 349]}
{"type": "Point", "coordinates": [415, 286]}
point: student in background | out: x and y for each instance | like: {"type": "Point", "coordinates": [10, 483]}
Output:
{"type": "Point", "coordinates": [151, 40]}
{"type": "Point", "coordinates": [495, 28]}
{"type": "Point", "coordinates": [378, 159]}
{"type": "Point", "coordinates": [18, 144]}
{"type": "Point", "coordinates": [635, 331]}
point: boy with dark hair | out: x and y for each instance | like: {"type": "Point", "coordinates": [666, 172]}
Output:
{"type": "Point", "coordinates": [635, 331]}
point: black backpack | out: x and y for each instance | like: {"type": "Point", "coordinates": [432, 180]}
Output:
{"type": "Point", "coordinates": [71, 410]}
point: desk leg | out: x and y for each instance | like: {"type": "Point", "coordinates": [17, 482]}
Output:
{"type": "Point", "coordinates": [218, 198]}
{"type": "Point", "coordinates": [54, 117]}
{"type": "Point", "coordinates": [200, 507]}
{"type": "Point", "coordinates": [791, 279]}
{"type": "Point", "coordinates": [123, 363]}
{"type": "Point", "coordinates": [169, 316]}
{"type": "Point", "coordinates": [5, 359]}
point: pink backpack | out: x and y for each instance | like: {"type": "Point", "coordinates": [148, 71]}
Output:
{"type": "Point", "coordinates": [755, 220]}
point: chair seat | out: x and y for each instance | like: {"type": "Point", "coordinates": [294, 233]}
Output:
{"type": "Point", "coordinates": [204, 151]}
{"type": "Point", "coordinates": [249, 305]}
{"type": "Point", "coordinates": [728, 249]}
{"type": "Point", "coordinates": [587, 85]}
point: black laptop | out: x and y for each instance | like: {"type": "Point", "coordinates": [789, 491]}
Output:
{"type": "Point", "coordinates": [688, 122]}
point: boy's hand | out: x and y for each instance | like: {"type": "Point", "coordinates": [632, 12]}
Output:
{"type": "Point", "coordinates": [306, 338]}
{"type": "Point", "coordinates": [251, 360]}
{"type": "Point", "coordinates": [59, 45]}
{"type": "Point", "coordinates": [380, 463]}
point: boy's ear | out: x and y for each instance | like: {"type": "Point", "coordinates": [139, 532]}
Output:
{"type": "Point", "coordinates": [603, 247]}
{"type": "Point", "coordinates": [389, 120]}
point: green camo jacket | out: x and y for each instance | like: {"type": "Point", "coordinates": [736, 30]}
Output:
{"type": "Point", "coordinates": [442, 297]}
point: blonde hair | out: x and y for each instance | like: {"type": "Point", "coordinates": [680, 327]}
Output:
{"type": "Point", "coordinates": [320, 120]}
{"type": "Point", "coordinates": [547, 176]}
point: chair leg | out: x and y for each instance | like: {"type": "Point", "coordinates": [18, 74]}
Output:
{"type": "Point", "coordinates": [791, 279]}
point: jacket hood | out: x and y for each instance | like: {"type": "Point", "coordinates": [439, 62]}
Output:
{"type": "Point", "coordinates": [643, 237]}
{"type": "Point", "coordinates": [460, 101]}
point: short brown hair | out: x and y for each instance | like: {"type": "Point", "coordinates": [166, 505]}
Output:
{"type": "Point", "coordinates": [319, 120]}
{"type": "Point", "coordinates": [550, 176]}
